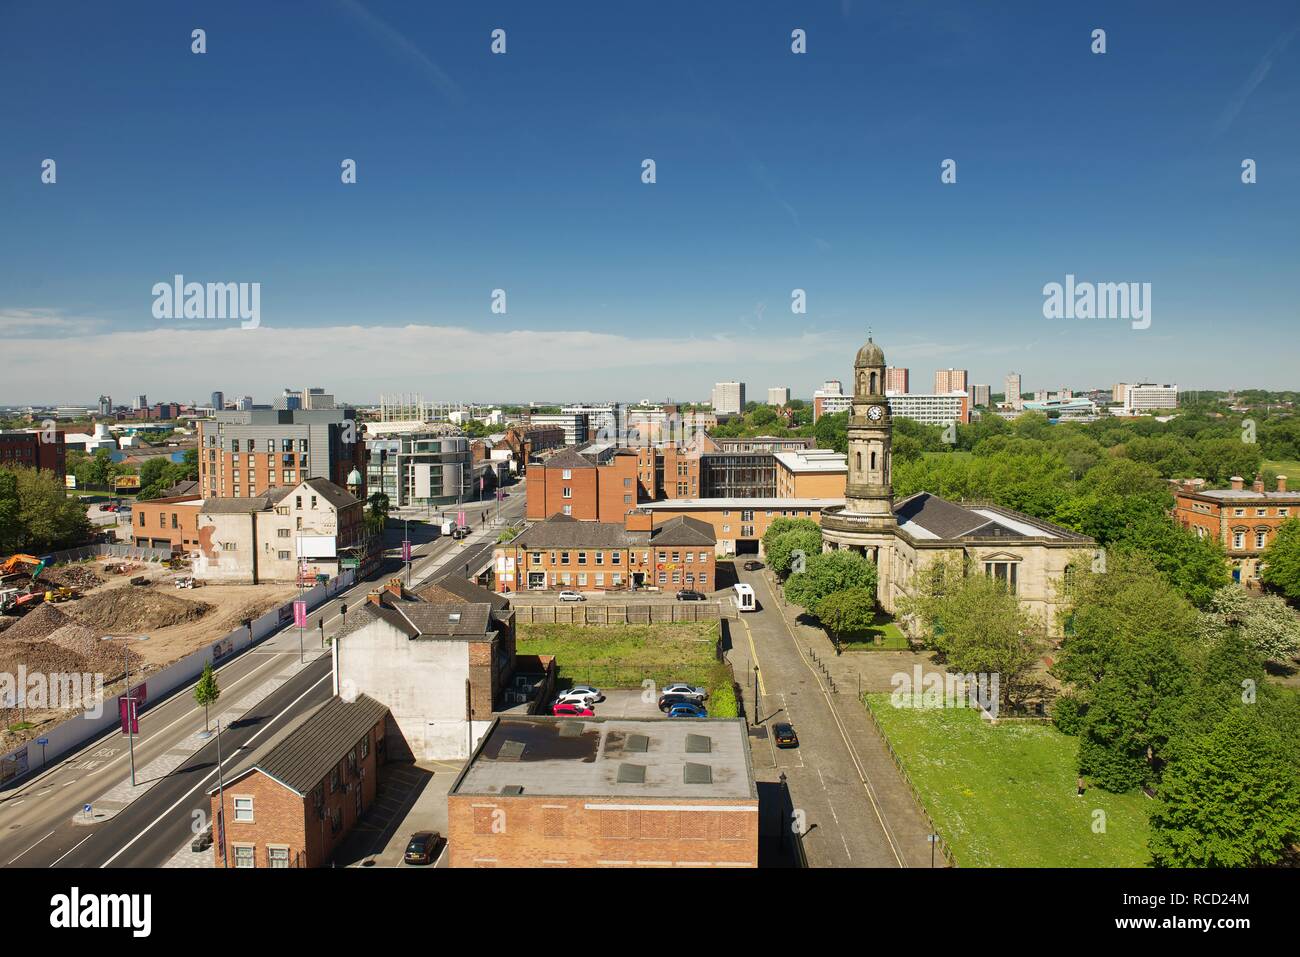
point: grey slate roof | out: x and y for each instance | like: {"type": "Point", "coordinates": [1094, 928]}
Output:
{"type": "Point", "coordinates": [945, 519]}
{"type": "Point", "coordinates": [565, 531]}
{"type": "Point", "coordinates": [301, 756]}
{"type": "Point", "coordinates": [452, 589]}
{"type": "Point", "coordinates": [459, 620]}
{"type": "Point", "coordinates": [254, 503]}
{"type": "Point", "coordinates": [334, 494]}
{"type": "Point", "coordinates": [568, 458]}
{"type": "Point", "coordinates": [683, 530]}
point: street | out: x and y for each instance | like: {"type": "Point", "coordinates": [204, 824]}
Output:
{"type": "Point", "coordinates": [41, 821]}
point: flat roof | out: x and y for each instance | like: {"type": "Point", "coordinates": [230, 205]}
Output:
{"type": "Point", "coordinates": [814, 460]}
{"type": "Point", "coordinates": [612, 758]}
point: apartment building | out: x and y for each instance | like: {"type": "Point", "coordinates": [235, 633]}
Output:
{"type": "Point", "coordinates": [597, 482]}
{"type": "Point", "coordinates": [421, 468]}
{"type": "Point", "coordinates": [246, 453]}
{"type": "Point", "coordinates": [981, 396]}
{"type": "Point", "coordinates": [1012, 387]}
{"type": "Point", "coordinates": [575, 425]}
{"type": "Point", "coordinates": [897, 379]}
{"type": "Point", "coordinates": [1243, 520]}
{"type": "Point", "coordinates": [738, 524]}
{"type": "Point", "coordinates": [167, 523]}
{"type": "Point", "coordinates": [606, 792]}
{"type": "Point", "coordinates": [564, 553]}
{"type": "Point", "coordinates": [950, 380]}
{"type": "Point", "coordinates": [24, 448]}
{"type": "Point", "coordinates": [292, 802]}
{"type": "Point", "coordinates": [778, 395]}
{"type": "Point", "coordinates": [728, 398]}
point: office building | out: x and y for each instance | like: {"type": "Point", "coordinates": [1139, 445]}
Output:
{"type": "Point", "coordinates": [830, 399]}
{"type": "Point", "coordinates": [218, 401]}
{"type": "Point", "coordinates": [1012, 388]}
{"type": "Point", "coordinates": [980, 396]}
{"type": "Point", "coordinates": [595, 483]}
{"type": "Point", "coordinates": [778, 395]}
{"type": "Point", "coordinates": [729, 398]}
{"type": "Point", "coordinates": [105, 405]}
{"type": "Point", "coordinates": [421, 469]}
{"type": "Point", "coordinates": [1147, 397]}
{"type": "Point", "coordinates": [936, 409]}
{"type": "Point", "coordinates": [575, 425]}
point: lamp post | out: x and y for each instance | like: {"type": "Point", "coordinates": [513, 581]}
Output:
{"type": "Point", "coordinates": [758, 710]}
{"type": "Point", "coordinates": [128, 697]}
{"type": "Point", "coordinates": [219, 826]}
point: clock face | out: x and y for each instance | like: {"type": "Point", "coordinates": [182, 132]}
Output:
{"type": "Point", "coordinates": [875, 413]}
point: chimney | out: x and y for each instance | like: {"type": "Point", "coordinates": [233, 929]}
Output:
{"type": "Point", "coordinates": [638, 520]}
{"type": "Point", "coordinates": [1259, 484]}
{"type": "Point", "coordinates": [1281, 483]}
{"type": "Point", "coordinates": [376, 597]}
{"type": "Point", "coordinates": [1237, 483]}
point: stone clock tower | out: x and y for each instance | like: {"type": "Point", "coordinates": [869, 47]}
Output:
{"type": "Point", "coordinates": [866, 523]}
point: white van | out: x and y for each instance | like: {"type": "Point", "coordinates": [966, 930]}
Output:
{"type": "Point", "coordinates": [744, 596]}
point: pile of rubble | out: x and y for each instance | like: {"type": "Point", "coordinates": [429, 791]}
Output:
{"type": "Point", "coordinates": [82, 577]}
{"type": "Point", "coordinates": [38, 623]}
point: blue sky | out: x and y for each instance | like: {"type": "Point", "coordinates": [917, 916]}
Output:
{"type": "Point", "coordinates": [522, 172]}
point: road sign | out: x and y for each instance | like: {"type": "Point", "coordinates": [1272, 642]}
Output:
{"type": "Point", "coordinates": [300, 613]}
{"type": "Point", "coordinates": [42, 741]}
{"type": "Point", "coordinates": [129, 712]}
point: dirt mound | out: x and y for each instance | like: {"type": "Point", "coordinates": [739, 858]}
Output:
{"type": "Point", "coordinates": [74, 576]}
{"type": "Point", "coordinates": [6, 623]}
{"type": "Point", "coordinates": [37, 623]}
{"type": "Point", "coordinates": [125, 610]}
{"type": "Point", "coordinates": [40, 656]}
{"type": "Point", "coordinates": [108, 657]}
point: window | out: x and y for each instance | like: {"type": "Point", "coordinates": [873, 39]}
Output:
{"type": "Point", "coordinates": [1260, 538]}
{"type": "Point", "coordinates": [243, 809]}
{"type": "Point", "coordinates": [1238, 512]}
{"type": "Point", "coordinates": [564, 558]}
{"type": "Point", "coordinates": [277, 857]}
{"type": "Point", "coordinates": [616, 580]}
{"type": "Point", "coordinates": [566, 474]}
{"type": "Point", "coordinates": [600, 580]}
{"type": "Point", "coordinates": [582, 578]}
{"type": "Point", "coordinates": [627, 483]}
{"type": "Point", "coordinates": [282, 555]}
{"type": "Point", "coordinates": [568, 492]}
{"type": "Point", "coordinates": [1238, 540]}
{"type": "Point", "coordinates": [615, 557]}
{"type": "Point", "coordinates": [1283, 512]}
{"type": "Point", "coordinates": [568, 510]}
{"type": "Point", "coordinates": [704, 556]}
{"type": "Point", "coordinates": [282, 533]}
{"type": "Point", "coordinates": [582, 558]}
{"type": "Point", "coordinates": [627, 499]}
{"type": "Point", "coordinates": [600, 558]}
{"type": "Point", "coordinates": [1261, 512]}
{"type": "Point", "coordinates": [244, 855]}
{"type": "Point", "coordinates": [297, 501]}
{"type": "Point", "coordinates": [536, 558]}
{"type": "Point", "coordinates": [726, 528]}
{"type": "Point", "coordinates": [704, 578]}
{"type": "Point", "coordinates": [1004, 572]}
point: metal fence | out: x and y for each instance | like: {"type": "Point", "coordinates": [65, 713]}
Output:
{"type": "Point", "coordinates": [139, 553]}
{"type": "Point", "coordinates": [599, 613]}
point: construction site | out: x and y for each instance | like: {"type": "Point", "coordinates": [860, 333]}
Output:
{"type": "Point", "coordinates": [90, 618]}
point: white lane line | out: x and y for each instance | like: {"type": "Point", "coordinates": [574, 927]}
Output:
{"type": "Point", "coordinates": [28, 849]}
{"type": "Point", "coordinates": [79, 843]}
{"type": "Point", "coordinates": [181, 800]}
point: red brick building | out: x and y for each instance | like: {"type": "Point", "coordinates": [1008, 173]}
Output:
{"type": "Point", "coordinates": [1243, 520]}
{"type": "Point", "coordinates": [294, 801]}
{"type": "Point", "coordinates": [167, 523]}
{"type": "Point", "coordinates": [597, 484]}
{"type": "Point", "coordinates": [596, 792]}
{"type": "Point", "coordinates": [564, 553]}
{"type": "Point", "coordinates": [24, 449]}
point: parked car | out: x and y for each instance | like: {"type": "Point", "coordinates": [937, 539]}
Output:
{"type": "Point", "coordinates": [752, 566]}
{"type": "Point", "coordinates": [685, 710]}
{"type": "Point", "coordinates": [572, 596]}
{"type": "Point", "coordinates": [590, 691]}
{"type": "Point", "coordinates": [571, 709]}
{"type": "Point", "coordinates": [666, 701]}
{"type": "Point", "coordinates": [575, 697]}
{"type": "Point", "coordinates": [685, 690]}
{"type": "Point", "coordinates": [784, 735]}
{"type": "Point", "coordinates": [687, 594]}
{"type": "Point", "coordinates": [422, 847]}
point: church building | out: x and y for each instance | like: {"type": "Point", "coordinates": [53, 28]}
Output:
{"type": "Point", "coordinates": [904, 538]}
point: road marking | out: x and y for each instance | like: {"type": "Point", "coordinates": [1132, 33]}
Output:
{"type": "Point", "coordinates": [79, 843]}
{"type": "Point", "coordinates": [28, 849]}
{"type": "Point", "coordinates": [753, 654]}
{"type": "Point", "coordinates": [181, 800]}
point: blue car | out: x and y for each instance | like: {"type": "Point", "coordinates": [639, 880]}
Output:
{"type": "Point", "coordinates": [686, 710]}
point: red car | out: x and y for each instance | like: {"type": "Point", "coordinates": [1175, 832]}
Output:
{"type": "Point", "coordinates": [571, 709]}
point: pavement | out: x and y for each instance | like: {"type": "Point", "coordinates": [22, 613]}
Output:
{"type": "Point", "coordinates": [854, 805]}
{"type": "Point", "coordinates": [42, 823]}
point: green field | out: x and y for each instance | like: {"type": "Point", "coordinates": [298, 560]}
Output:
{"type": "Point", "coordinates": [1285, 467]}
{"type": "Point", "coordinates": [624, 656]}
{"type": "Point", "coordinates": [1005, 796]}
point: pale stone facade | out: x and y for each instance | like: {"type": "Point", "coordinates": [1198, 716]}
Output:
{"type": "Point", "coordinates": [905, 538]}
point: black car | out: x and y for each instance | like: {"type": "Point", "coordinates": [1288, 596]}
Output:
{"type": "Point", "coordinates": [422, 847]}
{"type": "Point", "coordinates": [687, 594]}
{"type": "Point", "coordinates": [753, 566]}
{"type": "Point", "coordinates": [666, 701]}
{"type": "Point", "coordinates": [784, 736]}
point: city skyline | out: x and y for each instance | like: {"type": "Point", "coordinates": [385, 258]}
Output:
{"type": "Point", "coordinates": [776, 172]}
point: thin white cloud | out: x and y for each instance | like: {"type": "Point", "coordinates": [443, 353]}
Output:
{"type": "Point", "coordinates": [404, 49]}
{"type": "Point", "coordinates": [1238, 101]}
{"type": "Point", "coordinates": [359, 362]}
{"type": "Point", "coordinates": [28, 323]}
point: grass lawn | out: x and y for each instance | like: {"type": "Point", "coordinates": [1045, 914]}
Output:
{"type": "Point", "coordinates": [623, 656]}
{"type": "Point", "coordinates": [883, 635]}
{"type": "Point", "coordinates": [1005, 796]}
{"type": "Point", "coordinates": [1284, 467]}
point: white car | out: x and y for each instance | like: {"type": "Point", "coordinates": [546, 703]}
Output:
{"type": "Point", "coordinates": [590, 691]}
{"type": "Point", "coordinates": [572, 596]}
{"type": "Point", "coordinates": [685, 690]}
{"type": "Point", "coordinates": [572, 697]}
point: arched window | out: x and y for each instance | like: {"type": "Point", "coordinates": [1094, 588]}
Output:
{"type": "Point", "coordinates": [873, 383]}
{"type": "Point", "coordinates": [873, 461]}
{"type": "Point", "coordinates": [857, 461]}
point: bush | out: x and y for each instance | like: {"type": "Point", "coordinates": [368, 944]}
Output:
{"type": "Point", "coordinates": [722, 700]}
{"type": "Point", "coordinates": [1067, 714]}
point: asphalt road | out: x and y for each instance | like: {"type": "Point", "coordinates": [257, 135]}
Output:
{"type": "Point", "coordinates": [37, 826]}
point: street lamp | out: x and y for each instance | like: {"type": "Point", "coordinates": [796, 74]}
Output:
{"type": "Point", "coordinates": [131, 713]}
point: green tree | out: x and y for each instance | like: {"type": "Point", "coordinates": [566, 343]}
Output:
{"type": "Point", "coordinates": [1280, 561]}
{"type": "Point", "coordinates": [780, 551]}
{"type": "Point", "coordinates": [377, 512]}
{"type": "Point", "coordinates": [9, 506]}
{"type": "Point", "coordinates": [1231, 800]}
{"type": "Point", "coordinates": [47, 518]}
{"type": "Point", "coordinates": [779, 526]}
{"type": "Point", "coordinates": [207, 691]}
{"type": "Point", "coordinates": [828, 572]}
{"type": "Point", "coordinates": [845, 612]}
{"type": "Point", "coordinates": [1266, 624]}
